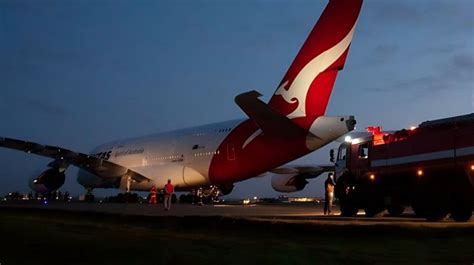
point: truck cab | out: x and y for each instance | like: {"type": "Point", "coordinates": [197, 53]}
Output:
{"type": "Point", "coordinates": [353, 156]}
{"type": "Point", "coordinates": [429, 168]}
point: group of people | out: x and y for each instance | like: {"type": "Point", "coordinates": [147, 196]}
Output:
{"type": "Point", "coordinates": [168, 191]}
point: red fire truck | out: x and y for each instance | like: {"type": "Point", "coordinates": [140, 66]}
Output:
{"type": "Point", "coordinates": [430, 168]}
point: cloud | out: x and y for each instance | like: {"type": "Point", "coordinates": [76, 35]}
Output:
{"type": "Point", "coordinates": [47, 108]}
{"type": "Point", "coordinates": [395, 11]}
{"type": "Point", "coordinates": [464, 61]}
{"type": "Point", "coordinates": [382, 53]}
{"type": "Point", "coordinates": [455, 73]}
{"type": "Point", "coordinates": [437, 49]}
{"type": "Point", "coordinates": [431, 12]}
{"type": "Point", "coordinates": [33, 105]}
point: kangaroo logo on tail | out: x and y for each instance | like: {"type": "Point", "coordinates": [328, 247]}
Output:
{"type": "Point", "coordinates": [298, 90]}
{"type": "Point", "coordinates": [304, 92]}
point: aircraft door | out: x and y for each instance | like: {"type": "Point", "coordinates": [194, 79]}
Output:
{"type": "Point", "coordinates": [230, 152]}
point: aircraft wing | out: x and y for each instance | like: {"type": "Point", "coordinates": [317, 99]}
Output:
{"type": "Point", "coordinates": [294, 178]}
{"type": "Point", "coordinates": [99, 167]}
{"type": "Point", "coordinates": [308, 171]}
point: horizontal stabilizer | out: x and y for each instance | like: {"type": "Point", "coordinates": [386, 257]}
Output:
{"type": "Point", "coordinates": [268, 120]}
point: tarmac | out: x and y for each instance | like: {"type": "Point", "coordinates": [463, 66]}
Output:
{"type": "Point", "coordinates": [274, 213]}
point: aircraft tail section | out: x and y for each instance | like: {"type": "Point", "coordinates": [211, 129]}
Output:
{"type": "Point", "coordinates": [304, 92]}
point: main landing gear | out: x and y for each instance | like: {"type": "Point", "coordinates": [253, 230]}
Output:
{"type": "Point", "coordinates": [89, 196]}
{"type": "Point", "coordinates": [206, 195]}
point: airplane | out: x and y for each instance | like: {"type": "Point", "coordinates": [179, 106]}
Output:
{"type": "Point", "coordinates": [215, 156]}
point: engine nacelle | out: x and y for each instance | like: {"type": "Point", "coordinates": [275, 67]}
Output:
{"type": "Point", "coordinates": [226, 189]}
{"type": "Point", "coordinates": [288, 182]}
{"type": "Point", "coordinates": [50, 180]}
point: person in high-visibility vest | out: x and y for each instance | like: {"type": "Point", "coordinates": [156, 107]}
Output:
{"type": "Point", "coordinates": [329, 196]}
{"type": "Point", "coordinates": [168, 194]}
{"type": "Point", "coordinates": [152, 195]}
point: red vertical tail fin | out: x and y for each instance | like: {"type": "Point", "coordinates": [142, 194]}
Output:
{"type": "Point", "coordinates": [304, 91]}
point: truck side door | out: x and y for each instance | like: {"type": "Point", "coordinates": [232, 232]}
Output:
{"type": "Point", "coordinates": [360, 158]}
{"type": "Point", "coordinates": [342, 159]}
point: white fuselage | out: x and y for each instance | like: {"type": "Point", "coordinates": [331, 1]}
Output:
{"type": "Point", "coordinates": [185, 156]}
{"type": "Point", "coordinates": [182, 155]}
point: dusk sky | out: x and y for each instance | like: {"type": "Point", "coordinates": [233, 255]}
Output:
{"type": "Point", "coordinates": [79, 73]}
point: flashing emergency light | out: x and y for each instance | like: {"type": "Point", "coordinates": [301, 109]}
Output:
{"type": "Point", "coordinates": [376, 131]}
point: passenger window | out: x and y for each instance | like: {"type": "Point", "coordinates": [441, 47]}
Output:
{"type": "Point", "coordinates": [364, 151]}
{"type": "Point", "coordinates": [341, 154]}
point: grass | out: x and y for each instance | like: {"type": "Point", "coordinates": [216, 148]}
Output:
{"type": "Point", "coordinates": [55, 237]}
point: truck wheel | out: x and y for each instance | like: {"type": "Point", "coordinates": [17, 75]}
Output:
{"type": "Point", "coordinates": [427, 202]}
{"type": "Point", "coordinates": [435, 215]}
{"type": "Point", "coordinates": [395, 210]}
{"type": "Point", "coordinates": [372, 212]}
{"type": "Point", "coordinates": [432, 211]}
{"type": "Point", "coordinates": [348, 209]}
{"type": "Point", "coordinates": [461, 204]}
{"type": "Point", "coordinates": [345, 193]}
{"type": "Point", "coordinates": [419, 210]}
{"type": "Point", "coordinates": [462, 215]}
{"type": "Point", "coordinates": [374, 206]}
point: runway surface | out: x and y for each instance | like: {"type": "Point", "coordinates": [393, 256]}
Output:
{"type": "Point", "coordinates": [282, 213]}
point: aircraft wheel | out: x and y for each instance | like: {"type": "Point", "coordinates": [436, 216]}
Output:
{"type": "Point", "coordinates": [89, 197]}
{"type": "Point", "coordinates": [185, 198]}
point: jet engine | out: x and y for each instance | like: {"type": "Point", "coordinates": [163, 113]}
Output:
{"type": "Point", "coordinates": [50, 180]}
{"type": "Point", "coordinates": [289, 182]}
{"type": "Point", "coordinates": [226, 189]}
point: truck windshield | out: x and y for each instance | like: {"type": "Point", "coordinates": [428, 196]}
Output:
{"type": "Point", "coordinates": [341, 154]}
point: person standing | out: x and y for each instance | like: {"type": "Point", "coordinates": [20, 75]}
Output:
{"type": "Point", "coordinates": [329, 196]}
{"type": "Point", "coordinates": [152, 195]}
{"type": "Point", "coordinates": [129, 183]}
{"type": "Point", "coordinates": [168, 194]}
